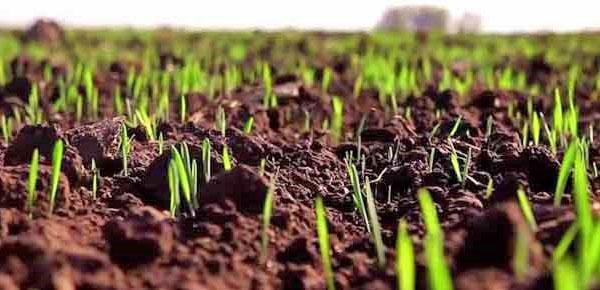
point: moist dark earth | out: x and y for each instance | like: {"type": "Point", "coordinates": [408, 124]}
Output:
{"type": "Point", "coordinates": [126, 239]}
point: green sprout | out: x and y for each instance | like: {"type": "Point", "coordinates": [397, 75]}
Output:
{"type": "Point", "coordinates": [405, 259]}
{"type": "Point", "coordinates": [455, 164]}
{"type": "Point", "coordinates": [95, 178]}
{"type": "Point", "coordinates": [337, 120]}
{"type": "Point", "coordinates": [431, 159]}
{"type": "Point", "coordinates": [324, 245]}
{"type": "Point", "coordinates": [182, 109]}
{"type": "Point", "coordinates": [438, 271]}
{"type": "Point", "coordinates": [489, 189]}
{"type": "Point", "coordinates": [32, 180]}
{"type": "Point", "coordinates": [206, 159]}
{"type": "Point", "coordinates": [248, 125]}
{"type": "Point", "coordinates": [326, 80]}
{"type": "Point", "coordinates": [521, 254]}
{"type": "Point", "coordinates": [525, 135]}
{"type": "Point", "coordinates": [161, 143]}
{"type": "Point", "coordinates": [221, 121]}
{"type": "Point", "coordinates": [186, 170]}
{"type": "Point", "coordinates": [57, 157]}
{"type": "Point", "coordinates": [566, 276]}
{"type": "Point", "coordinates": [455, 127]}
{"type": "Point", "coordinates": [148, 123]}
{"type": "Point", "coordinates": [375, 227]}
{"type": "Point", "coordinates": [267, 81]}
{"type": "Point", "coordinates": [565, 243]}
{"type": "Point", "coordinates": [227, 163]}
{"type": "Point", "coordinates": [7, 127]}
{"type": "Point", "coordinates": [526, 208]}
{"type": "Point", "coordinates": [535, 128]}
{"type": "Point", "coordinates": [174, 199]}
{"type": "Point", "coordinates": [564, 171]}
{"type": "Point", "coordinates": [357, 196]}
{"type": "Point", "coordinates": [125, 148]}
{"type": "Point", "coordinates": [261, 167]}
{"type": "Point", "coordinates": [266, 221]}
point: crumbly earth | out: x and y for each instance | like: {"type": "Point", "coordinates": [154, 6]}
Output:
{"type": "Point", "coordinates": [125, 238]}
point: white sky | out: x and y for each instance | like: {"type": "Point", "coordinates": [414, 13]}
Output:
{"type": "Point", "coordinates": [497, 16]}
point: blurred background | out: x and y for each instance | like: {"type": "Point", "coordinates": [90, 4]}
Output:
{"type": "Point", "coordinates": [459, 15]}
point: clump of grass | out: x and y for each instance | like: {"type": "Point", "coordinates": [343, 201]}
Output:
{"type": "Point", "coordinates": [186, 170]}
{"type": "Point", "coordinates": [148, 123]}
{"type": "Point", "coordinates": [32, 180]}
{"type": "Point", "coordinates": [266, 221]}
{"type": "Point", "coordinates": [438, 271]}
{"type": "Point", "coordinates": [57, 157]}
{"type": "Point", "coordinates": [324, 245]}
{"type": "Point", "coordinates": [405, 259]}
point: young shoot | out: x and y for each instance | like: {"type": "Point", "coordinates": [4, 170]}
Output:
{"type": "Point", "coordinates": [182, 109]}
{"type": "Point", "coordinates": [455, 127]}
{"type": "Point", "coordinates": [564, 171]}
{"type": "Point", "coordinates": [148, 123]}
{"type": "Point", "coordinates": [455, 164]}
{"type": "Point", "coordinates": [95, 178]}
{"type": "Point", "coordinates": [526, 208]}
{"type": "Point", "coordinates": [357, 196]}
{"type": "Point", "coordinates": [375, 227]}
{"type": "Point", "coordinates": [221, 121]}
{"type": "Point", "coordinates": [125, 148]}
{"type": "Point", "coordinates": [438, 272]}
{"type": "Point", "coordinates": [337, 120]}
{"type": "Point", "coordinates": [173, 188]}
{"type": "Point", "coordinates": [248, 125]}
{"type": "Point", "coordinates": [324, 245]}
{"type": "Point", "coordinates": [57, 157]}
{"type": "Point", "coordinates": [32, 180]}
{"type": "Point", "coordinates": [206, 156]}
{"type": "Point", "coordinates": [405, 259]}
{"type": "Point", "coordinates": [266, 221]}
{"type": "Point", "coordinates": [227, 163]}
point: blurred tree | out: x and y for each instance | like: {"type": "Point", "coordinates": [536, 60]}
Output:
{"type": "Point", "coordinates": [414, 18]}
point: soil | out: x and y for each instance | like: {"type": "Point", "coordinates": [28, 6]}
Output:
{"type": "Point", "coordinates": [125, 238]}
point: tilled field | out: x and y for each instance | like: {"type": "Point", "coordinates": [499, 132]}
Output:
{"type": "Point", "coordinates": [472, 119]}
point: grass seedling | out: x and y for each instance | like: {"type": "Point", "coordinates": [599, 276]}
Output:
{"type": "Point", "coordinates": [57, 157]}
{"type": "Point", "coordinates": [564, 171]}
{"type": "Point", "coordinates": [185, 174]}
{"type": "Point", "coordinates": [161, 143]}
{"type": "Point", "coordinates": [32, 180]}
{"type": "Point", "coordinates": [324, 246]}
{"type": "Point", "coordinates": [267, 81]}
{"type": "Point", "coordinates": [374, 224]}
{"type": "Point", "coordinates": [526, 208]}
{"type": "Point", "coordinates": [125, 148]}
{"type": "Point", "coordinates": [326, 80]}
{"type": "Point", "coordinates": [148, 123]}
{"type": "Point", "coordinates": [182, 109]}
{"type": "Point", "coordinates": [489, 126]}
{"type": "Point", "coordinates": [455, 127]}
{"type": "Point", "coordinates": [357, 196]}
{"type": "Point", "coordinates": [525, 135]}
{"type": "Point", "coordinates": [438, 271]}
{"type": "Point", "coordinates": [431, 160]}
{"type": "Point", "coordinates": [521, 254]}
{"type": "Point", "coordinates": [173, 188]}
{"type": "Point", "coordinates": [535, 128]}
{"type": "Point", "coordinates": [489, 189]}
{"type": "Point", "coordinates": [455, 164]}
{"type": "Point", "coordinates": [206, 159]}
{"type": "Point", "coordinates": [266, 221]}
{"type": "Point", "coordinates": [337, 120]}
{"type": "Point", "coordinates": [582, 203]}
{"type": "Point", "coordinates": [566, 275]}
{"type": "Point", "coordinates": [465, 173]}
{"type": "Point", "coordinates": [95, 178]}
{"type": "Point", "coordinates": [7, 128]}
{"type": "Point", "coordinates": [221, 121]}
{"type": "Point", "coordinates": [227, 163]}
{"type": "Point", "coordinates": [248, 125]}
{"type": "Point", "coordinates": [405, 259]}
{"type": "Point", "coordinates": [261, 167]}
{"type": "Point", "coordinates": [565, 243]}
